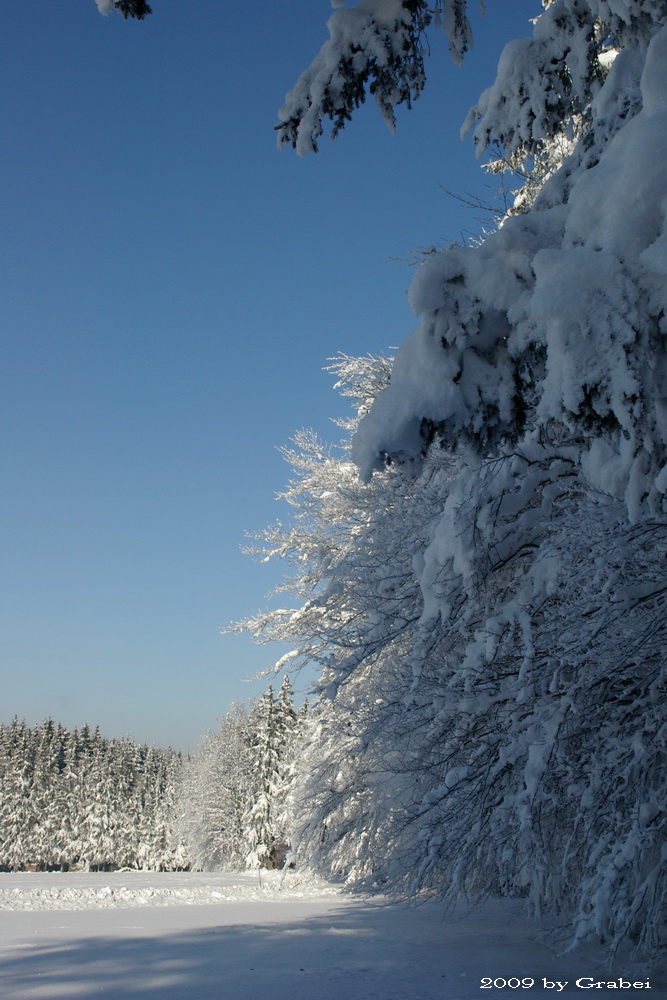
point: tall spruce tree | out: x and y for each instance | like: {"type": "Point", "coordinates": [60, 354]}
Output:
{"type": "Point", "coordinates": [273, 725]}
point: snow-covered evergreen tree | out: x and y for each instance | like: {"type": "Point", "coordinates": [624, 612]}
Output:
{"type": "Point", "coordinates": [261, 820]}
{"type": "Point", "coordinates": [16, 815]}
{"type": "Point", "coordinates": [273, 728]}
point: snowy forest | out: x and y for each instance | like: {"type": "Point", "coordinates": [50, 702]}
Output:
{"type": "Point", "coordinates": [75, 800]}
{"type": "Point", "coordinates": [478, 569]}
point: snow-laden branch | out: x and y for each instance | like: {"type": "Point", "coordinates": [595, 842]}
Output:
{"type": "Point", "coordinates": [375, 46]}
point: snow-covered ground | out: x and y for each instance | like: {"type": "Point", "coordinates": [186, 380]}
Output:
{"type": "Point", "coordinates": [187, 936]}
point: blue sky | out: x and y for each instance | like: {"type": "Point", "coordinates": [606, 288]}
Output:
{"type": "Point", "coordinates": [171, 287]}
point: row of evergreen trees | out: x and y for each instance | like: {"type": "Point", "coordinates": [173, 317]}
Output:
{"type": "Point", "coordinates": [75, 799]}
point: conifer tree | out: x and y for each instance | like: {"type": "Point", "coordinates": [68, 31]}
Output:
{"type": "Point", "coordinates": [233, 799]}
{"type": "Point", "coordinates": [262, 813]}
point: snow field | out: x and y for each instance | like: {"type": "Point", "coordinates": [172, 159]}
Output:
{"type": "Point", "coordinates": [97, 890]}
{"type": "Point", "coordinates": [218, 936]}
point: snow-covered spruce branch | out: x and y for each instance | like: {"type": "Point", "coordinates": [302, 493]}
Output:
{"type": "Point", "coordinates": [375, 45]}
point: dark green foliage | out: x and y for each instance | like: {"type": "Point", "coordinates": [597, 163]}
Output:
{"type": "Point", "coordinates": [133, 8]}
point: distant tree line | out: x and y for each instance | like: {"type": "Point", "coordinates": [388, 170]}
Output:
{"type": "Point", "coordinates": [77, 800]}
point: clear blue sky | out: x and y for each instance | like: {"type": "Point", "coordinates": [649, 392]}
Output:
{"type": "Point", "coordinates": [171, 288]}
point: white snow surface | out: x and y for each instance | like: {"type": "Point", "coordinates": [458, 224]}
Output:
{"type": "Point", "coordinates": [99, 890]}
{"type": "Point", "coordinates": [200, 936]}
